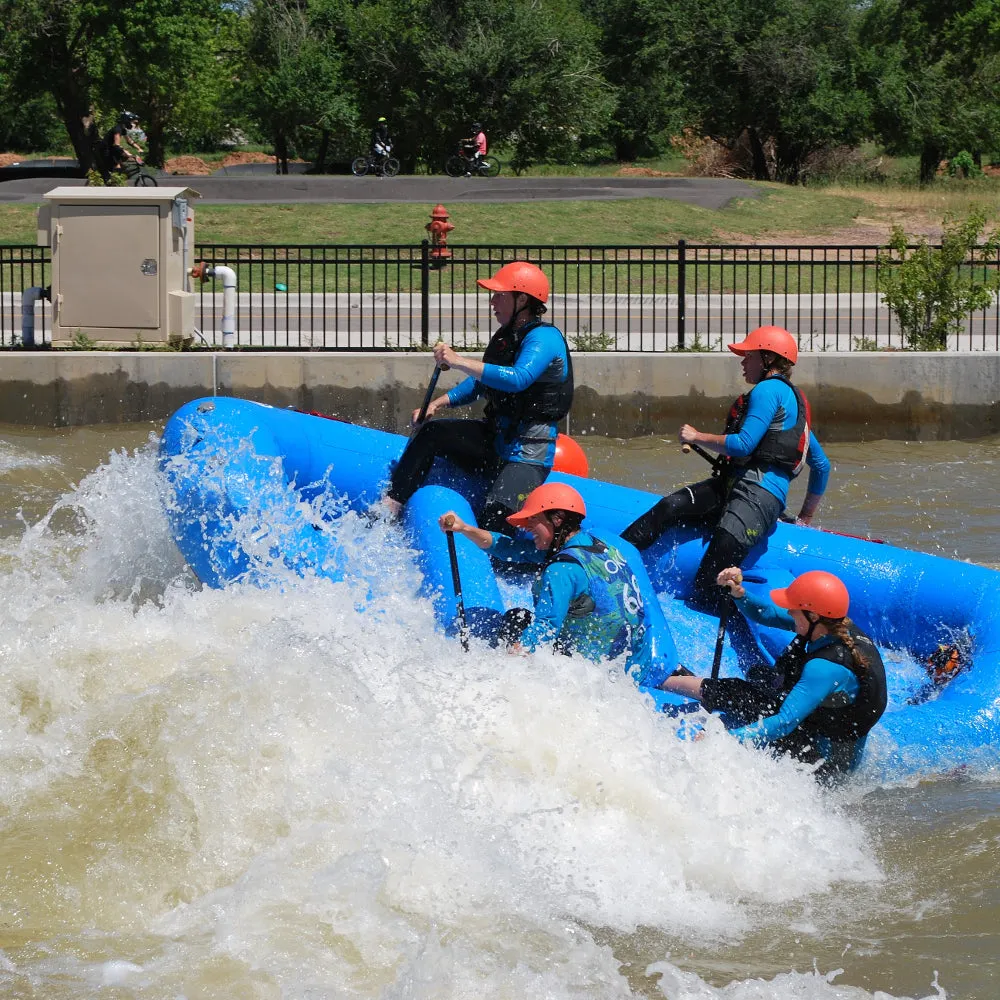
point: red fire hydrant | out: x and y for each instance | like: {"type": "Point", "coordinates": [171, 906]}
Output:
{"type": "Point", "coordinates": [439, 227]}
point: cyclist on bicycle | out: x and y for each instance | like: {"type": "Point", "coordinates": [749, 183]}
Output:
{"type": "Point", "coordinates": [381, 143]}
{"type": "Point", "coordinates": [481, 144]}
{"type": "Point", "coordinates": [114, 138]}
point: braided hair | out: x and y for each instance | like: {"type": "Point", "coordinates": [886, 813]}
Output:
{"type": "Point", "coordinates": [840, 628]}
{"type": "Point", "coordinates": [561, 533]}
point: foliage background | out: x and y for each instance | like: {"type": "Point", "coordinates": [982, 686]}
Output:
{"type": "Point", "coordinates": [783, 83]}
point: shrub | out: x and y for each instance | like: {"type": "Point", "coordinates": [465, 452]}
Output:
{"type": "Point", "coordinates": [931, 290]}
{"type": "Point", "coordinates": [963, 165]}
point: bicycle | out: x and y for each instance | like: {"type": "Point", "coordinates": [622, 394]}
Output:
{"type": "Point", "coordinates": [137, 175]}
{"type": "Point", "coordinates": [464, 163]}
{"type": "Point", "coordinates": [377, 166]}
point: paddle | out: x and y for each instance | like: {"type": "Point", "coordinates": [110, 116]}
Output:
{"type": "Point", "coordinates": [716, 461]}
{"type": "Point", "coordinates": [431, 386]}
{"type": "Point", "coordinates": [713, 460]}
{"type": "Point", "coordinates": [456, 582]}
{"type": "Point", "coordinates": [727, 605]}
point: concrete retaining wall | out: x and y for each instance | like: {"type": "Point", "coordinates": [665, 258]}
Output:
{"type": "Point", "coordinates": [855, 396]}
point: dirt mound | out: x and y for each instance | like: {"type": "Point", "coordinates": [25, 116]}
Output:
{"type": "Point", "coordinates": [231, 159]}
{"type": "Point", "coordinates": [643, 172]}
{"type": "Point", "coordinates": [6, 159]}
{"type": "Point", "coordinates": [187, 166]}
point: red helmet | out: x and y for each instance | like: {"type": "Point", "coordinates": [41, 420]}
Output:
{"type": "Point", "coordinates": [548, 496]}
{"type": "Point", "coordinates": [519, 276]}
{"type": "Point", "coordinates": [816, 591]}
{"type": "Point", "coordinates": [775, 339]}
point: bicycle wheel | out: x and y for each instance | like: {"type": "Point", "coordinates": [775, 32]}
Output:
{"type": "Point", "coordinates": [142, 179]}
{"type": "Point", "coordinates": [455, 166]}
{"type": "Point", "coordinates": [360, 166]}
{"type": "Point", "coordinates": [390, 167]}
{"type": "Point", "coordinates": [489, 167]}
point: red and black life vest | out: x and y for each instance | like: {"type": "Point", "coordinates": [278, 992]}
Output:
{"type": "Point", "coordinates": [839, 722]}
{"type": "Point", "coordinates": [783, 449]}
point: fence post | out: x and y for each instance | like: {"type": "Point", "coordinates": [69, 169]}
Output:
{"type": "Point", "coordinates": [681, 292]}
{"type": "Point", "coordinates": [425, 293]}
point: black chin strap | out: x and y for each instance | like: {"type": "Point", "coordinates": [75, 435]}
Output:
{"type": "Point", "coordinates": [517, 312]}
{"type": "Point", "coordinates": [813, 622]}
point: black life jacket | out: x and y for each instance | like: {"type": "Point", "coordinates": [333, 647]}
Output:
{"type": "Point", "coordinates": [786, 450]}
{"type": "Point", "coordinates": [839, 722]}
{"type": "Point", "coordinates": [540, 402]}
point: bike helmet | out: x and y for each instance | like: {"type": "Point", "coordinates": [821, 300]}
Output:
{"type": "Point", "coordinates": [816, 591]}
{"type": "Point", "coordinates": [775, 339]}
{"type": "Point", "coordinates": [519, 276]}
{"type": "Point", "coordinates": [477, 127]}
{"type": "Point", "coordinates": [549, 496]}
{"type": "Point", "coordinates": [128, 118]}
{"type": "Point", "coordinates": [381, 120]}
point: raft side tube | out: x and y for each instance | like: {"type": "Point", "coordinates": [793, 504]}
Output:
{"type": "Point", "coordinates": [480, 593]}
{"type": "Point", "coordinates": [232, 505]}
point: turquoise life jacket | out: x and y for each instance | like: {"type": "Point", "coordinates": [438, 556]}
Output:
{"type": "Point", "coordinates": [609, 618]}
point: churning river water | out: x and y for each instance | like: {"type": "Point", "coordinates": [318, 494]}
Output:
{"type": "Point", "coordinates": [263, 794]}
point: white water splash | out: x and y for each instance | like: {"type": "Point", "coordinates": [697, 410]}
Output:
{"type": "Point", "coordinates": [267, 793]}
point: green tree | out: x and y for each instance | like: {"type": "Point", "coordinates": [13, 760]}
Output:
{"type": "Point", "coordinates": [157, 58]}
{"type": "Point", "coordinates": [932, 290]}
{"type": "Point", "coordinates": [292, 78]}
{"type": "Point", "coordinates": [642, 63]}
{"type": "Point", "coordinates": [530, 71]}
{"type": "Point", "coordinates": [781, 72]}
{"type": "Point", "coordinates": [933, 67]}
{"type": "Point", "coordinates": [47, 46]}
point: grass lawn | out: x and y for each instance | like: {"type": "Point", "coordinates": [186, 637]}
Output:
{"type": "Point", "coordinates": [777, 216]}
{"type": "Point", "coordinates": [635, 221]}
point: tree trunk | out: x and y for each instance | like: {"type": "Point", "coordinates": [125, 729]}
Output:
{"type": "Point", "coordinates": [930, 157]}
{"type": "Point", "coordinates": [281, 153]}
{"type": "Point", "coordinates": [79, 136]}
{"type": "Point", "coordinates": [319, 166]}
{"type": "Point", "coordinates": [760, 169]}
{"type": "Point", "coordinates": [626, 149]}
{"type": "Point", "coordinates": [788, 161]}
{"type": "Point", "coordinates": [74, 110]}
{"type": "Point", "coordinates": [155, 149]}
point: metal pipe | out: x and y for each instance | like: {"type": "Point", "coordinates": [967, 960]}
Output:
{"type": "Point", "coordinates": [28, 299]}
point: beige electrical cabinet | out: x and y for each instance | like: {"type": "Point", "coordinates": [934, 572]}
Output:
{"type": "Point", "coordinates": [120, 260]}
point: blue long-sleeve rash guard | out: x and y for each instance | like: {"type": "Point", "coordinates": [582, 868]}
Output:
{"type": "Point", "coordinates": [540, 348]}
{"type": "Point", "coordinates": [767, 399]}
{"type": "Point", "coordinates": [820, 679]}
{"type": "Point", "coordinates": [560, 584]}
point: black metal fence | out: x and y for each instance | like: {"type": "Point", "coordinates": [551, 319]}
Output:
{"type": "Point", "coordinates": [610, 298]}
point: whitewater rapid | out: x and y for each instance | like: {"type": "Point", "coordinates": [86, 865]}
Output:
{"type": "Point", "coordinates": [307, 791]}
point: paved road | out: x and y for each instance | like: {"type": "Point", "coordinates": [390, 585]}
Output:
{"type": "Point", "coordinates": [376, 321]}
{"type": "Point", "coordinates": [230, 189]}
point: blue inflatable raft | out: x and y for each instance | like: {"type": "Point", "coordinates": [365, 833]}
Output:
{"type": "Point", "coordinates": [251, 485]}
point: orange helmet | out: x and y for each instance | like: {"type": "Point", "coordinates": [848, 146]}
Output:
{"type": "Point", "coordinates": [769, 338]}
{"type": "Point", "coordinates": [570, 457]}
{"type": "Point", "coordinates": [549, 496]}
{"type": "Point", "coordinates": [816, 591]}
{"type": "Point", "coordinates": [519, 276]}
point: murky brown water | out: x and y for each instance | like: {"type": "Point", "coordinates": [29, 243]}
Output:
{"type": "Point", "coordinates": [934, 911]}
